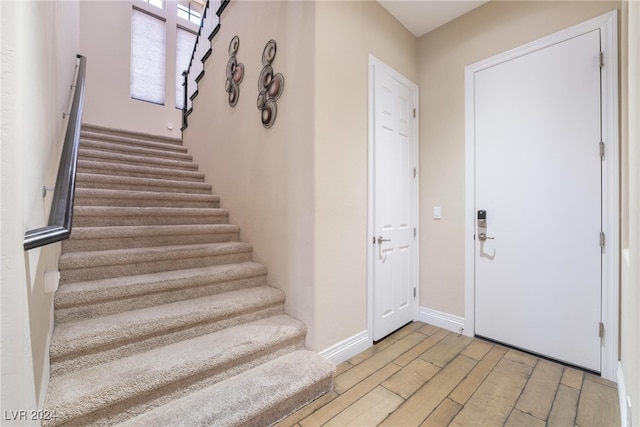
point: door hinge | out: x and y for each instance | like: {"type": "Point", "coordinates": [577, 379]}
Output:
{"type": "Point", "coordinates": [414, 113]}
{"type": "Point", "coordinates": [414, 172]}
{"type": "Point", "coordinates": [414, 232]}
{"type": "Point", "coordinates": [601, 59]}
{"type": "Point", "coordinates": [602, 239]}
{"type": "Point", "coordinates": [601, 149]}
{"type": "Point", "coordinates": [374, 240]}
{"type": "Point", "coordinates": [414, 292]}
{"type": "Point", "coordinates": [601, 330]}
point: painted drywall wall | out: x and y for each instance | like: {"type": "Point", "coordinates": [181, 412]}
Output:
{"type": "Point", "coordinates": [630, 293]}
{"type": "Point", "coordinates": [105, 39]}
{"type": "Point", "coordinates": [299, 189]}
{"type": "Point", "coordinates": [264, 176]}
{"type": "Point", "coordinates": [40, 41]}
{"type": "Point", "coordinates": [346, 33]}
{"type": "Point", "coordinates": [491, 29]}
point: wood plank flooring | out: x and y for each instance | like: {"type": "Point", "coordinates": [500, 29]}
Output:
{"type": "Point", "coordinates": [425, 376]}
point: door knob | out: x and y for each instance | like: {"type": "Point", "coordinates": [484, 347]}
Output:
{"type": "Point", "coordinates": [380, 240]}
{"type": "Point", "coordinates": [483, 237]}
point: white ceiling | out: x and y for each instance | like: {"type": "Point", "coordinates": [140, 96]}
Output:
{"type": "Point", "coordinates": [422, 16]}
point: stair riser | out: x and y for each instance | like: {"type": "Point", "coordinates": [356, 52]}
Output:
{"type": "Point", "coordinates": [76, 245]}
{"type": "Point", "coordinates": [106, 221]}
{"type": "Point", "coordinates": [121, 159]}
{"type": "Point", "coordinates": [124, 410]}
{"type": "Point", "coordinates": [126, 202]}
{"type": "Point", "coordinates": [94, 139]}
{"type": "Point", "coordinates": [113, 169]}
{"type": "Point", "coordinates": [274, 413]}
{"type": "Point", "coordinates": [128, 137]}
{"type": "Point", "coordinates": [151, 266]}
{"type": "Point", "coordinates": [76, 361]}
{"type": "Point", "coordinates": [110, 147]}
{"type": "Point", "coordinates": [102, 308]}
{"type": "Point", "coordinates": [143, 187]}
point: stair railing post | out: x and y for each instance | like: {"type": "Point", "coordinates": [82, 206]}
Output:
{"type": "Point", "coordinates": [185, 84]}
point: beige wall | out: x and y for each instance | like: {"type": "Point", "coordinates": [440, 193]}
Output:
{"type": "Point", "coordinates": [105, 39]}
{"type": "Point", "coordinates": [299, 190]}
{"type": "Point", "coordinates": [443, 54]}
{"type": "Point", "coordinates": [346, 33]}
{"type": "Point", "coordinates": [39, 44]}
{"type": "Point", "coordinates": [264, 176]}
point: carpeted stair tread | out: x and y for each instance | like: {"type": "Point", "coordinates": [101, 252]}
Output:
{"type": "Point", "coordinates": [135, 160]}
{"type": "Point", "coordinates": [119, 169]}
{"type": "Point", "coordinates": [135, 149]}
{"type": "Point", "coordinates": [126, 135]}
{"type": "Point", "coordinates": [125, 256]}
{"type": "Point", "coordinates": [122, 216]}
{"type": "Point", "coordinates": [82, 266]}
{"type": "Point", "coordinates": [153, 144]}
{"type": "Point", "coordinates": [258, 397]}
{"type": "Point", "coordinates": [92, 298]}
{"type": "Point", "coordinates": [135, 325]}
{"type": "Point", "coordinates": [101, 197]}
{"type": "Point", "coordinates": [106, 238]}
{"type": "Point", "coordinates": [152, 230]}
{"type": "Point", "coordinates": [145, 377]}
{"type": "Point", "coordinates": [115, 182]}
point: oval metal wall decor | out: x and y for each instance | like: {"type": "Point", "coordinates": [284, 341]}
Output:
{"type": "Point", "coordinates": [235, 73]}
{"type": "Point", "coordinates": [270, 86]}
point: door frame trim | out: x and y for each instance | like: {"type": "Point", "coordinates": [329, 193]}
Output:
{"type": "Point", "coordinates": [372, 65]}
{"type": "Point", "coordinates": [608, 26]}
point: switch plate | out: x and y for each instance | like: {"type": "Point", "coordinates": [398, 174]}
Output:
{"type": "Point", "coordinates": [437, 212]}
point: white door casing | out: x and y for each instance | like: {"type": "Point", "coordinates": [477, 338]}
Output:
{"type": "Point", "coordinates": [533, 213]}
{"type": "Point", "coordinates": [393, 201]}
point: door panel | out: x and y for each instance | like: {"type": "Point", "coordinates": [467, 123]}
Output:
{"type": "Point", "coordinates": [393, 193]}
{"type": "Point", "coordinates": [538, 176]}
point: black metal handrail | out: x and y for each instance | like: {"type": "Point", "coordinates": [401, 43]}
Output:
{"type": "Point", "coordinates": [186, 72]}
{"type": "Point", "coordinates": [61, 214]}
{"type": "Point", "coordinates": [207, 9]}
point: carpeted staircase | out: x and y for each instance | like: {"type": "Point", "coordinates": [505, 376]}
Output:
{"type": "Point", "coordinates": [161, 318]}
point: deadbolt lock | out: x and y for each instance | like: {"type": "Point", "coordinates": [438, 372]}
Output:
{"type": "Point", "coordinates": [482, 218]}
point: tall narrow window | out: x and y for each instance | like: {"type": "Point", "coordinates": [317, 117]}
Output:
{"type": "Point", "coordinates": [191, 10]}
{"type": "Point", "coordinates": [148, 52]}
{"type": "Point", "coordinates": [185, 40]}
{"type": "Point", "coordinates": [157, 3]}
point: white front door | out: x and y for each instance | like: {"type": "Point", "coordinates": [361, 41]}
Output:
{"type": "Point", "coordinates": [538, 177]}
{"type": "Point", "coordinates": [394, 199]}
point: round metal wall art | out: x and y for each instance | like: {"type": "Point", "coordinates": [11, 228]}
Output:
{"type": "Point", "coordinates": [270, 86]}
{"type": "Point", "coordinates": [235, 73]}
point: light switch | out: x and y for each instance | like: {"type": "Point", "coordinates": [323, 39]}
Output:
{"type": "Point", "coordinates": [437, 212]}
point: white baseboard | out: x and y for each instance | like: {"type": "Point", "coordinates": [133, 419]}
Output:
{"type": "Point", "coordinates": [361, 341]}
{"type": "Point", "coordinates": [348, 348]}
{"type": "Point", "coordinates": [442, 320]}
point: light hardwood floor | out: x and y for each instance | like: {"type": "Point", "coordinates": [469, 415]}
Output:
{"type": "Point", "coordinates": [425, 376]}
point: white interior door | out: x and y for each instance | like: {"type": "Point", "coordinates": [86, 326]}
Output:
{"type": "Point", "coordinates": [394, 244]}
{"type": "Point", "coordinates": [538, 176]}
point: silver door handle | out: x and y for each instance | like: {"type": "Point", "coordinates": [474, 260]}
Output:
{"type": "Point", "coordinates": [380, 240]}
{"type": "Point", "coordinates": [483, 237]}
